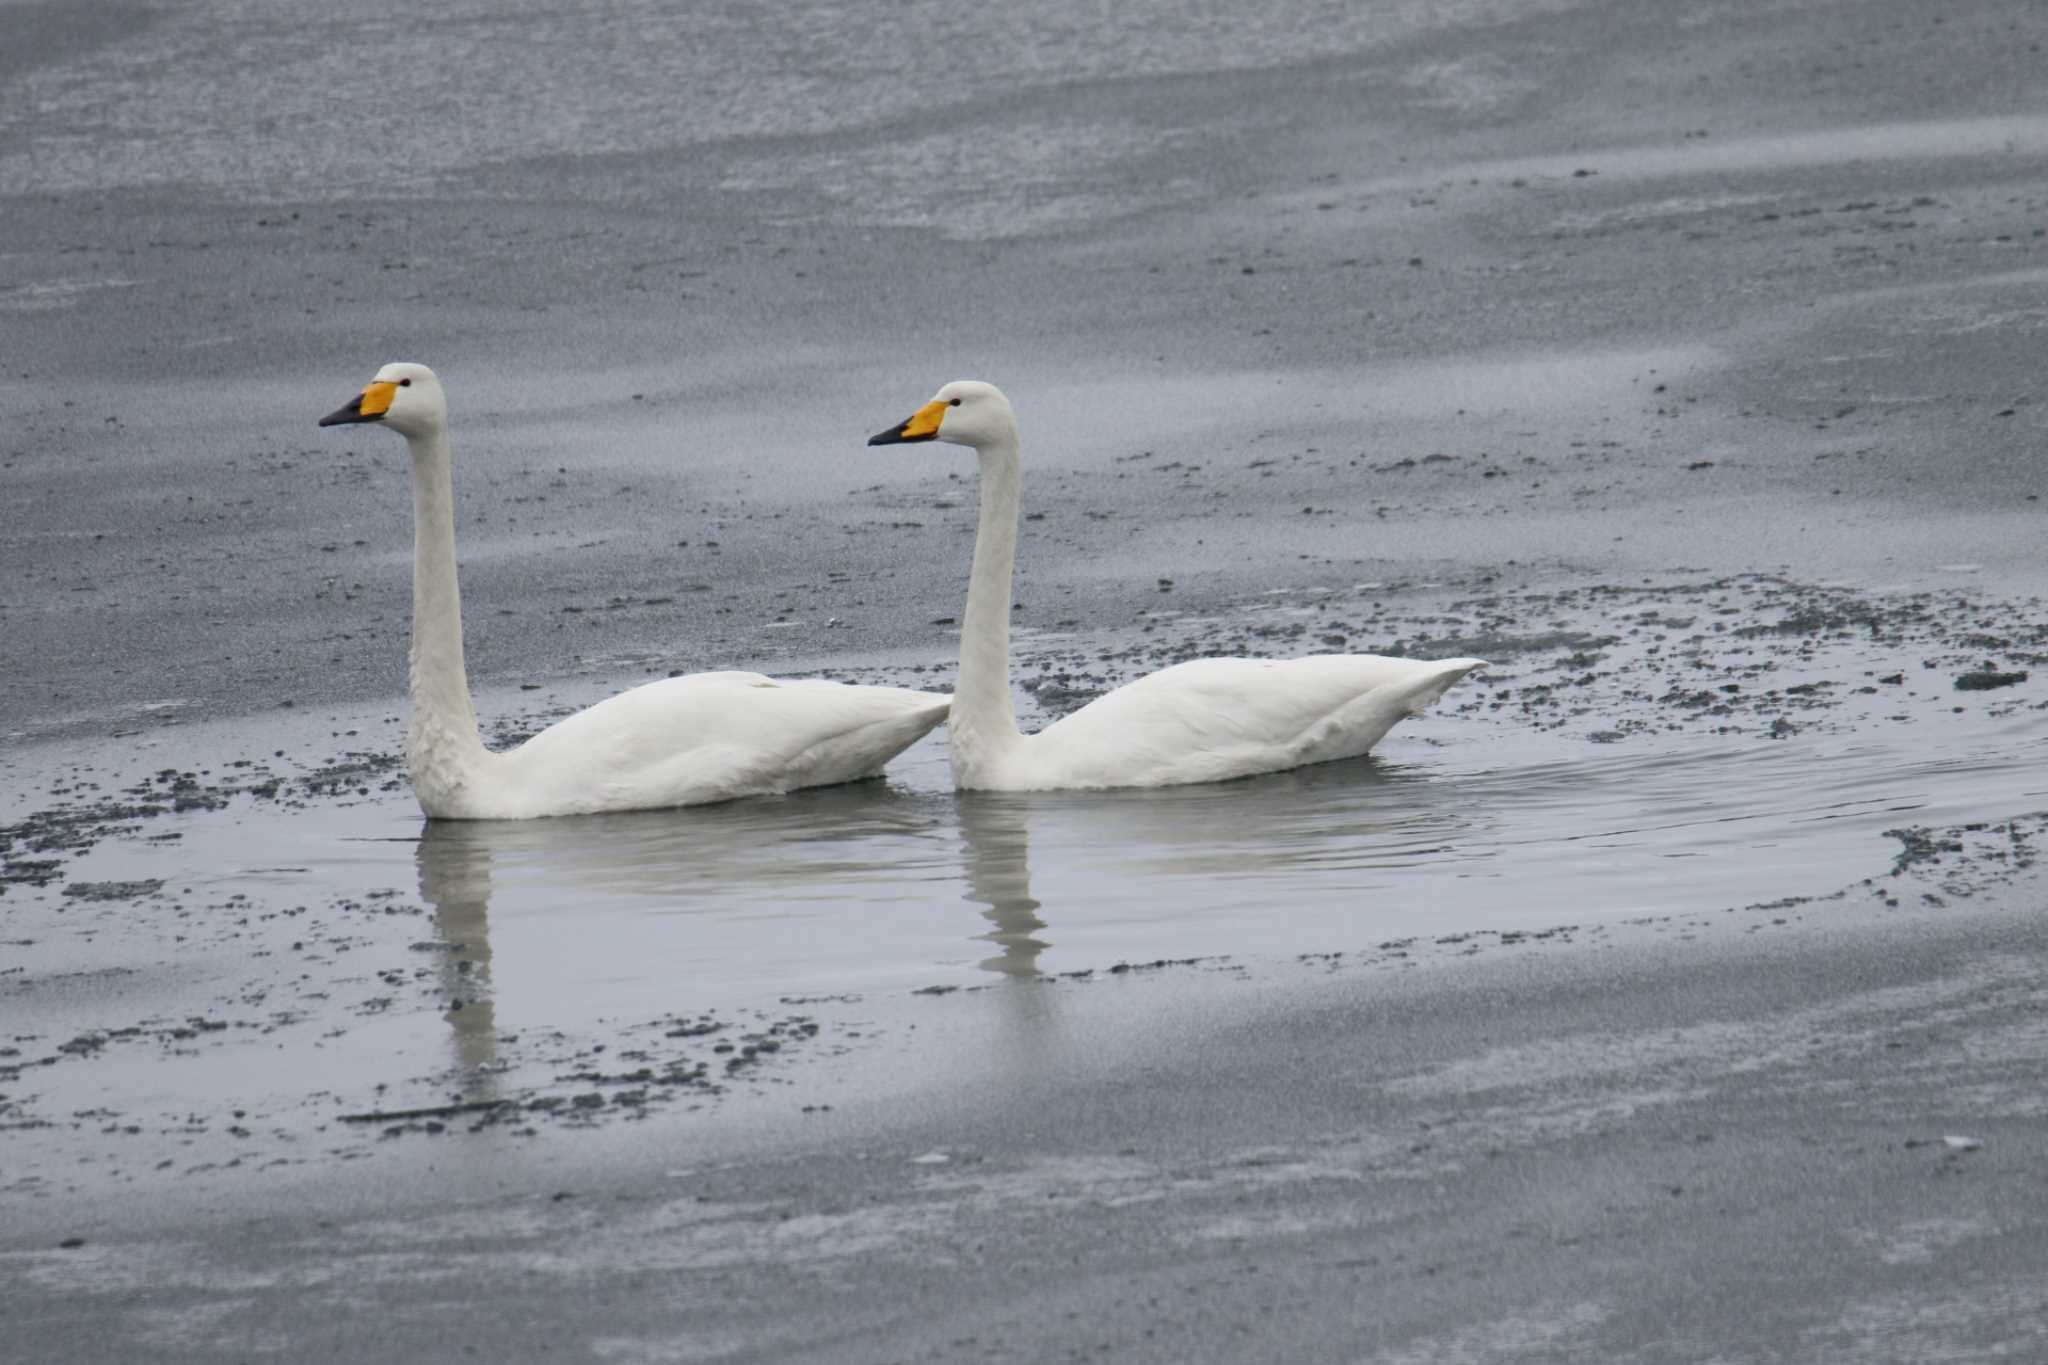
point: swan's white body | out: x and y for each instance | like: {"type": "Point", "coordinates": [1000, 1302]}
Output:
{"type": "Point", "coordinates": [1203, 721]}
{"type": "Point", "coordinates": [677, 742]}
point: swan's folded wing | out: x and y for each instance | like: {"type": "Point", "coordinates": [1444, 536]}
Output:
{"type": "Point", "coordinates": [716, 736]}
{"type": "Point", "coordinates": [1211, 719]}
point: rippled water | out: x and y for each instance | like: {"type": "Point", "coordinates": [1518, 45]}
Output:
{"type": "Point", "coordinates": [564, 925]}
{"type": "Point", "coordinates": [301, 961]}
{"type": "Point", "coordinates": [903, 884]}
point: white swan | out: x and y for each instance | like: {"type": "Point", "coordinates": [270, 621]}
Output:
{"type": "Point", "coordinates": [1202, 721]}
{"type": "Point", "coordinates": [678, 742]}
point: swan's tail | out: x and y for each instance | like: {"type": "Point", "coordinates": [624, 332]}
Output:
{"type": "Point", "coordinates": [1435, 679]}
{"type": "Point", "coordinates": [866, 751]}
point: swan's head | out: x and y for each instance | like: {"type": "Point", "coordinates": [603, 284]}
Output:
{"type": "Point", "coordinates": [966, 412]}
{"type": "Point", "coordinates": [407, 397]}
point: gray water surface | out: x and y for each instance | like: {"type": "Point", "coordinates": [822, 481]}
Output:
{"type": "Point", "coordinates": [361, 957]}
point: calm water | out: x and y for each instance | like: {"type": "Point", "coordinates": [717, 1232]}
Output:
{"type": "Point", "coordinates": [342, 947]}
{"type": "Point", "coordinates": [353, 945]}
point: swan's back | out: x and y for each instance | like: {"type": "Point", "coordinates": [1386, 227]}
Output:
{"type": "Point", "coordinates": [1213, 719]}
{"type": "Point", "coordinates": [712, 737]}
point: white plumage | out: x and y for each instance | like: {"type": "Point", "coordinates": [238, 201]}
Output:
{"type": "Point", "coordinates": [1203, 721]}
{"type": "Point", "coordinates": [677, 742]}
{"type": "Point", "coordinates": [693, 740]}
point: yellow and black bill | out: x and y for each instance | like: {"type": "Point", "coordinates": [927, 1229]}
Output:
{"type": "Point", "coordinates": [923, 425]}
{"type": "Point", "coordinates": [368, 406]}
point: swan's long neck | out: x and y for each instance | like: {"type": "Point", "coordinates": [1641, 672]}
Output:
{"type": "Point", "coordinates": [442, 746]}
{"type": "Point", "coordinates": [983, 721]}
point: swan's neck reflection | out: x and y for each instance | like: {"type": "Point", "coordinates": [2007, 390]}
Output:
{"type": "Point", "coordinates": [999, 878]}
{"type": "Point", "coordinates": [454, 863]}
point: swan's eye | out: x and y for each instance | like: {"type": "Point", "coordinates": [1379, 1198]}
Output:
{"type": "Point", "coordinates": [956, 402]}
{"type": "Point", "coordinates": [405, 383]}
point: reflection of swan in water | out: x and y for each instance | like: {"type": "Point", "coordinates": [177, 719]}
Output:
{"type": "Point", "coordinates": [1152, 869]}
{"type": "Point", "coordinates": [845, 888]}
{"type": "Point", "coordinates": [1179, 854]}
{"type": "Point", "coordinates": [574, 895]}
{"type": "Point", "coordinates": [454, 864]}
{"type": "Point", "coordinates": [998, 843]}
{"type": "Point", "coordinates": [995, 837]}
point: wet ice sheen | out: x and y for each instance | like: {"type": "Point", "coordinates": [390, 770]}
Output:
{"type": "Point", "coordinates": [117, 109]}
{"type": "Point", "coordinates": [2021, 135]}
